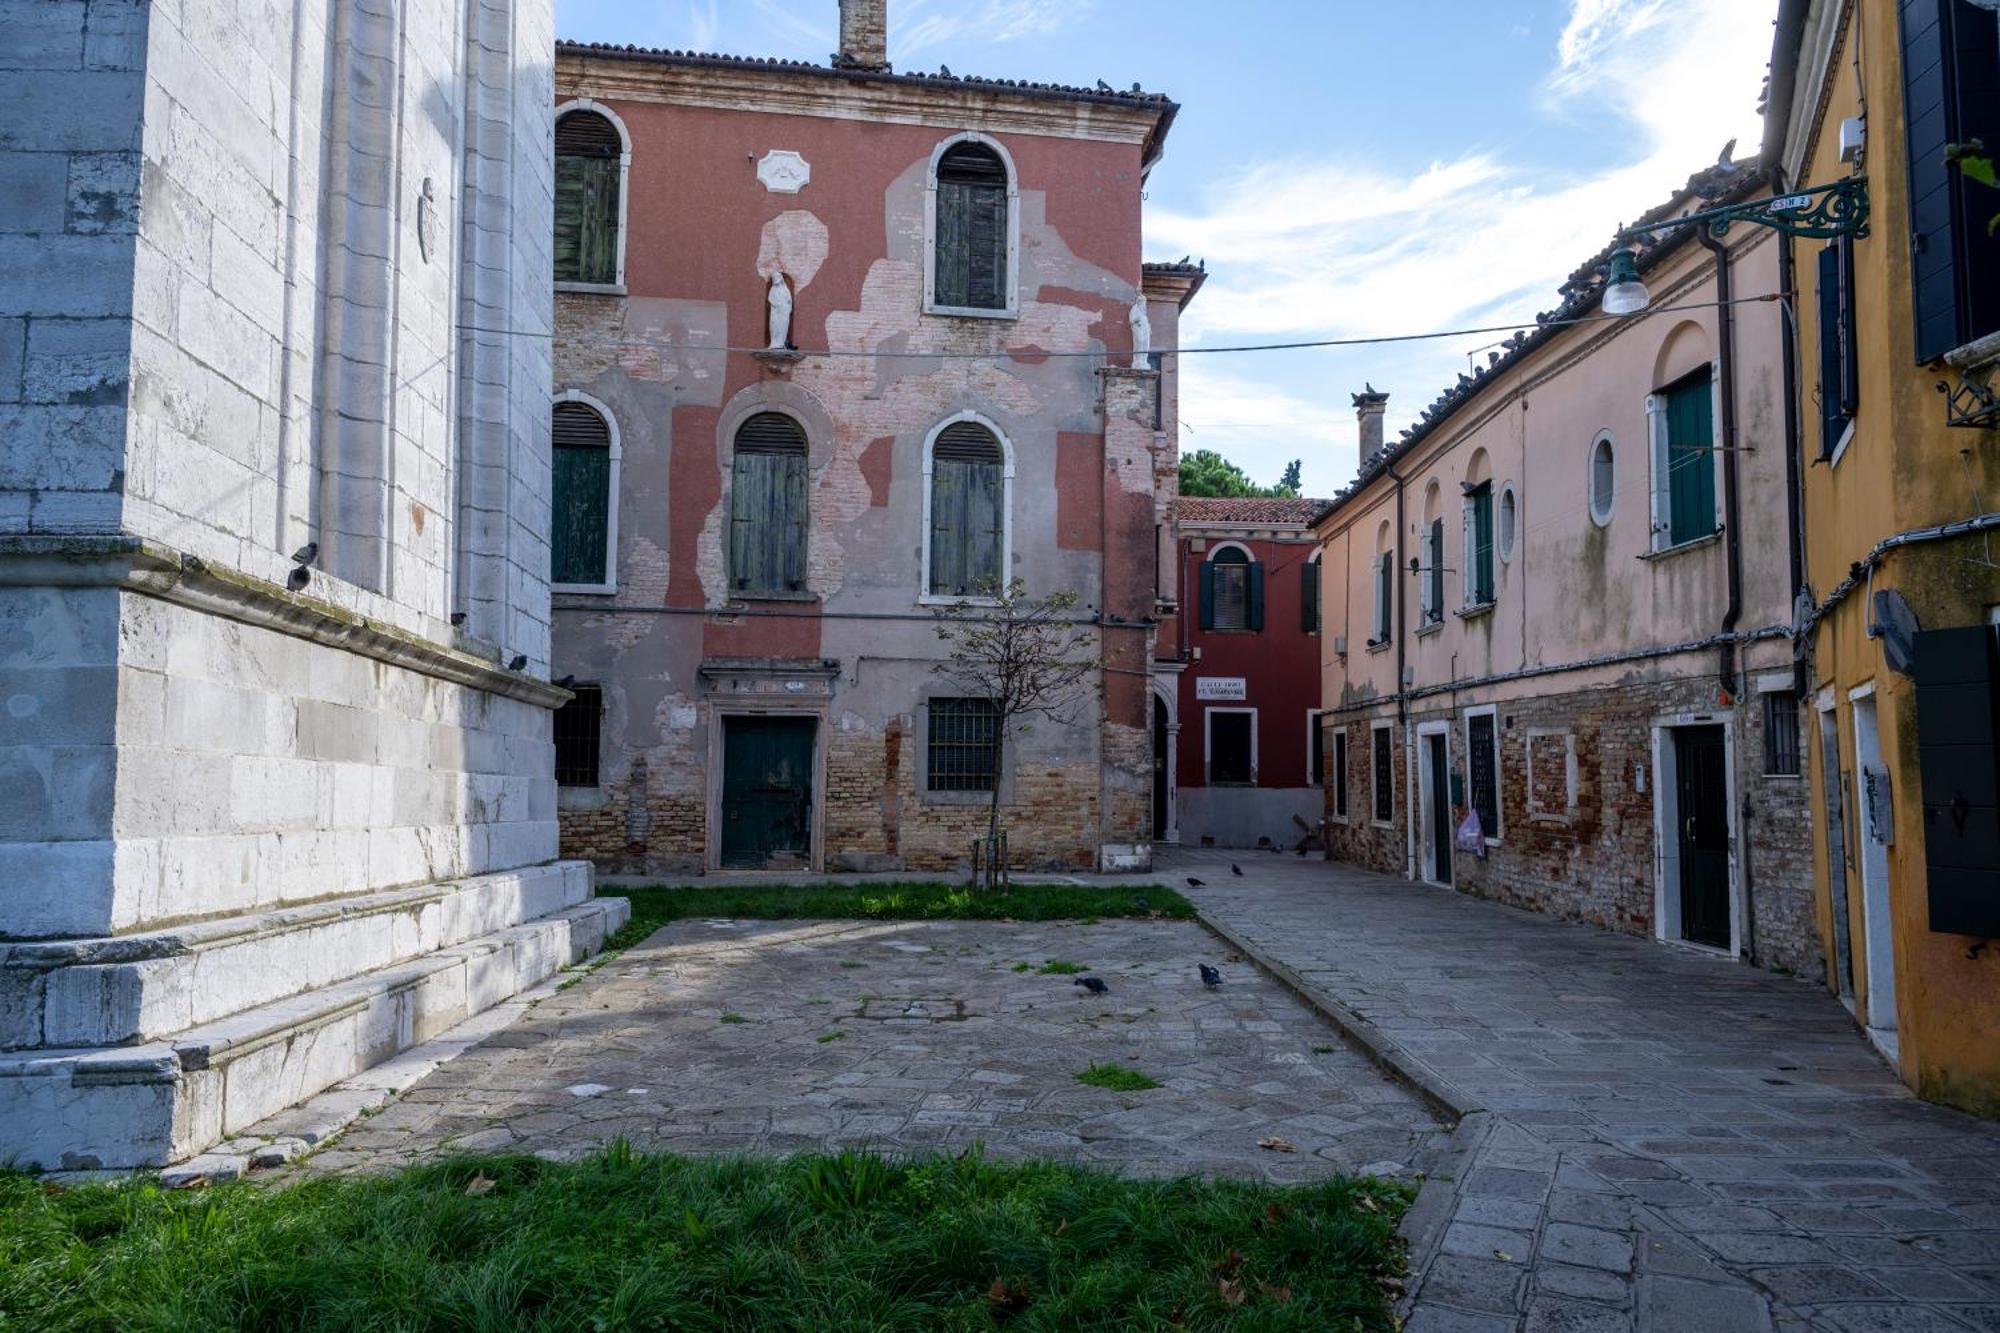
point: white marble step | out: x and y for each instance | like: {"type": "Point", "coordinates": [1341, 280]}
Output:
{"type": "Point", "coordinates": [141, 987]}
{"type": "Point", "coordinates": [164, 1101]}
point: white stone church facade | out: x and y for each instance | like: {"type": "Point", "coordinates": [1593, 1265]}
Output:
{"type": "Point", "coordinates": [276, 783]}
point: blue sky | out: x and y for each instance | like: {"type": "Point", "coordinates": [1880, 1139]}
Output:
{"type": "Point", "coordinates": [1346, 167]}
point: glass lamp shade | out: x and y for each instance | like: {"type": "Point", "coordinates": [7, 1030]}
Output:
{"type": "Point", "coordinates": [1624, 294]}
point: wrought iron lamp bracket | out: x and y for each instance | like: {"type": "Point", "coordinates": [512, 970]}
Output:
{"type": "Point", "coordinates": [1821, 211]}
{"type": "Point", "coordinates": [1974, 401]}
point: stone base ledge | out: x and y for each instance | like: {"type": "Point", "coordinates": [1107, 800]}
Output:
{"type": "Point", "coordinates": [143, 987]}
{"type": "Point", "coordinates": [156, 1104]}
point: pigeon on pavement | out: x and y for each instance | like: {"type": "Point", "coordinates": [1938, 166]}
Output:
{"type": "Point", "coordinates": [1209, 976]}
{"type": "Point", "coordinates": [1194, 883]}
{"type": "Point", "coordinates": [1092, 984]}
{"type": "Point", "coordinates": [1235, 869]}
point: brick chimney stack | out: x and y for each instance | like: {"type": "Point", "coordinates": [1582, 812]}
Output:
{"type": "Point", "coordinates": [1369, 408]}
{"type": "Point", "coordinates": [864, 35]}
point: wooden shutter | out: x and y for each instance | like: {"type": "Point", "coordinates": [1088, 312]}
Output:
{"type": "Point", "coordinates": [968, 511]}
{"type": "Point", "coordinates": [1207, 586]}
{"type": "Point", "coordinates": [1955, 674]}
{"type": "Point", "coordinates": [1340, 772]}
{"type": "Point", "coordinates": [1385, 584]}
{"type": "Point", "coordinates": [1481, 545]}
{"type": "Point", "coordinates": [588, 166]}
{"type": "Point", "coordinates": [1309, 597]}
{"type": "Point", "coordinates": [970, 232]}
{"type": "Point", "coordinates": [1834, 331]}
{"type": "Point", "coordinates": [1691, 459]}
{"type": "Point", "coordinates": [768, 507]}
{"type": "Point", "coordinates": [986, 248]}
{"type": "Point", "coordinates": [1951, 94]}
{"type": "Point", "coordinates": [1662, 471]}
{"type": "Point", "coordinates": [1254, 615]}
{"type": "Point", "coordinates": [580, 494]}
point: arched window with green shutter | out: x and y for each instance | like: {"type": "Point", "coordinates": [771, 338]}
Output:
{"type": "Point", "coordinates": [968, 511]}
{"type": "Point", "coordinates": [583, 461]}
{"type": "Point", "coordinates": [768, 508]}
{"type": "Point", "coordinates": [971, 229]}
{"type": "Point", "coordinates": [589, 183]}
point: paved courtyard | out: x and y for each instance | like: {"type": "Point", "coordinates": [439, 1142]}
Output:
{"type": "Point", "coordinates": [727, 1036]}
{"type": "Point", "coordinates": [1654, 1138]}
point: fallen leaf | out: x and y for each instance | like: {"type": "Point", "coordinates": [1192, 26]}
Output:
{"type": "Point", "coordinates": [1278, 1295]}
{"type": "Point", "coordinates": [1227, 1265]}
{"type": "Point", "coordinates": [1503, 1256]}
{"type": "Point", "coordinates": [1003, 1302]}
{"type": "Point", "coordinates": [1368, 1201]}
{"type": "Point", "coordinates": [480, 1184]}
{"type": "Point", "coordinates": [1232, 958]}
{"type": "Point", "coordinates": [1276, 1144]}
{"type": "Point", "coordinates": [1275, 1212]}
{"type": "Point", "coordinates": [1231, 1291]}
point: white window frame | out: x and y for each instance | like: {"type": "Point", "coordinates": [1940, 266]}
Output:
{"type": "Point", "coordinates": [1012, 310]}
{"type": "Point", "coordinates": [1467, 582]}
{"type": "Point", "coordinates": [1249, 561]}
{"type": "Point", "coordinates": [1663, 496]}
{"type": "Point", "coordinates": [1495, 834]}
{"type": "Point", "coordinates": [1603, 440]}
{"type": "Point", "coordinates": [1208, 744]}
{"type": "Point", "coordinates": [1385, 593]}
{"type": "Point", "coordinates": [616, 288]}
{"type": "Point", "coordinates": [1430, 558]}
{"type": "Point", "coordinates": [1389, 726]}
{"type": "Point", "coordinates": [610, 584]}
{"type": "Point", "coordinates": [925, 597]}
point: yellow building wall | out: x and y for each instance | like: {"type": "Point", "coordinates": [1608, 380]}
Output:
{"type": "Point", "coordinates": [1903, 469]}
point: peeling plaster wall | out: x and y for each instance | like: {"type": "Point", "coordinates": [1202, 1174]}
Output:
{"type": "Point", "coordinates": [851, 245]}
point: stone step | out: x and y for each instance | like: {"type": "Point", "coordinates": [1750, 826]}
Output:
{"type": "Point", "coordinates": [142, 987]}
{"type": "Point", "coordinates": [164, 1101]}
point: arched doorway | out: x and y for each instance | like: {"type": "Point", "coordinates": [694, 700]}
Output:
{"type": "Point", "coordinates": [1163, 762]}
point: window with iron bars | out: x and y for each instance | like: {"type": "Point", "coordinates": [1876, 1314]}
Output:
{"type": "Point", "coordinates": [578, 724]}
{"type": "Point", "coordinates": [964, 746]}
{"type": "Point", "coordinates": [1781, 734]}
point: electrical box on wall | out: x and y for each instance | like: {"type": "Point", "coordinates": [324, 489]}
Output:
{"type": "Point", "coordinates": [1853, 137]}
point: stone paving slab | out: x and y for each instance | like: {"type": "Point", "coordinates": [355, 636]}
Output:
{"type": "Point", "coordinates": [1654, 1139]}
{"type": "Point", "coordinates": [734, 1036]}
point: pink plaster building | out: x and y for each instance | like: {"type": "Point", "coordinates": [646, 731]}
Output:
{"type": "Point", "coordinates": [835, 345]}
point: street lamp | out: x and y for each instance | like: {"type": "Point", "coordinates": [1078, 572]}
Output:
{"type": "Point", "coordinates": [1823, 211]}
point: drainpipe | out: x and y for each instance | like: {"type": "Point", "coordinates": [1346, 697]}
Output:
{"type": "Point", "coordinates": [1402, 691]}
{"type": "Point", "coordinates": [1795, 508]}
{"type": "Point", "coordinates": [1731, 529]}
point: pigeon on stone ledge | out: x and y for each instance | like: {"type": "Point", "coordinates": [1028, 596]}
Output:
{"type": "Point", "coordinates": [1209, 976]}
{"type": "Point", "coordinates": [1092, 984]}
{"type": "Point", "coordinates": [1194, 883]}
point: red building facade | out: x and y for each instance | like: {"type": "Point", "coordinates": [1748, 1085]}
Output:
{"type": "Point", "coordinates": [1246, 698]}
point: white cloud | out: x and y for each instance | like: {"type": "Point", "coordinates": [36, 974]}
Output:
{"type": "Point", "coordinates": [920, 26]}
{"type": "Point", "coordinates": [1306, 247]}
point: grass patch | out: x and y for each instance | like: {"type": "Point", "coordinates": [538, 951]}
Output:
{"type": "Point", "coordinates": [655, 905]}
{"type": "Point", "coordinates": [1056, 967]}
{"type": "Point", "coordinates": [825, 1037]}
{"type": "Point", "coordinates": [1117, 1077]}
{"type": "Point", "coordinates": [732, 1018]}
{"type": "Point", "coordinates": [623, 1240]}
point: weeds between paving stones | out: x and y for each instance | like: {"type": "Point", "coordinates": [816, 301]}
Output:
{"type": "Point", "coordinates": [1117, 1078]}
{"type": "Point", "coordinates": [629, 1240]}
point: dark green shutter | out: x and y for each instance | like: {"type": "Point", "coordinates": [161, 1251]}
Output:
{"type": "Point", "coordinates": [954, 243]}
{"type": "Point", "coordinates": [1832, 416]}
{"type": "Point", "coordinates": [1309, 598]}
{"type": "Point", "coordinates": [1955, 675]}
{"type": "Point", "coordinates": [1482, 544]}
{"type": "Point", "coordinates": [968, 511]}
{"type": "Point", "coordinates": [588, 156]}
{"type": "Point", "coordinates": [986, 249]}
{"type": "Point", "coordinates": [1208, 594]}
{"type": "Point", "coordinates": [1256, 621]}
{"type": "Point", "coordinates": [768, 507]}
{"type": "Point", "coordinates": [1951, 94]}
{"type": "Point", "coordinates": [971, 229]}
{"type": "Point", "coordinates": [1385, 584]}
{"type": "Point", "coordinates": [580, 494]}
{"type": "Point", "coordinates": [1691, 458]}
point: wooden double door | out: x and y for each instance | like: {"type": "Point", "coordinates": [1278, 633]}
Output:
{"type": "Point", "coordinates": [767, 792]}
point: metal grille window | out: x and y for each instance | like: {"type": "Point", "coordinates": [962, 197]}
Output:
{"type": "Point", "coordinates": [767, 507]}
{"type": "Point", "coordinates": [578, 725]}
{"type": "Point", "coordinates": [968, 511]}
{"type": "Point", "coordinates": [589, 161]}
{"type": "Point", "coordinates": [964, 748]}
{"type": "Point", "coordinates": [1385, 775]}
{"type": "Point", "coordinates": [580, 495]}
{"type": "Point", "coordinates": [1781, 734]}
{"type": "Point", "coordinates": [971, 229]}
{"type": "Point", "coordinates": [1483, 751]}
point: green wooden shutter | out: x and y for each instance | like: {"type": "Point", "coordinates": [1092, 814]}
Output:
{"type": "Point", "coordinates": [769, 507]}
{"type": "Point", "coordinates": [1309, 598]}
{"type": "Point", "coordinates": [597, 236]}
{"type": "Point", "coordinates": [1951, 94]}
{"type": "Point", "coordinates": [580, 494]}
{"type": "Point", "coordinates": [1207, 594]}
{"type": "Point", "coordinates": [954, 244]}
{"type": "Point", "coordinates": [1482, 545]}
{"type": "Point", "coordinates": [968, 511]}
{"type": "Point", "coordinates": [570, 190]}
{"type": "Point", "coordinates": [1691, 459]}
{"type": "Point", "coordinates": [986, 249]}
{"type": "Point", "coordinates": [1832, 419]}
{"type": "Point", "coordinates": [1256, 581]}
{"type": "Point", "coordinates": [588, 154]}
{"type": "Point", "coordinates": [1955, 678]}
{"type": "Point", "coordinates": [970, 232]}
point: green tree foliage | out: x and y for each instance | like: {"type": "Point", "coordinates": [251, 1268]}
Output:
{"type": "Point", "coordinates": [1207, 473]}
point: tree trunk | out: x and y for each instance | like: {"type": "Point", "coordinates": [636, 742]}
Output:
{"type": "Point", "coordinates": [993, 817]}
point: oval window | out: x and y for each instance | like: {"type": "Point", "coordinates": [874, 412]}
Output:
{"type": "Point", "coordinates": [1508, 520]}
{"type": "Point", "coordinates": [1603, 480]}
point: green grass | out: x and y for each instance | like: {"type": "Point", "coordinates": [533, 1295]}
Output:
{"type": "Point", "coordinates": [826, 1037]}
{"type": "Point", "coordinates": [1057, 967]}
{"type": "Point", "coordinates": [655, 905]}
{"type": "Point", "coordinates": [1117, 1078]}
{"type": "Point", "coordinates": [626, 1241]}
{"type": "Point", "coordinates": [732, 1018]}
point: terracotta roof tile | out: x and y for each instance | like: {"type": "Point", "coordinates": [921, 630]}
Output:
{"type": "Point", "coordinates": [1249, 509]}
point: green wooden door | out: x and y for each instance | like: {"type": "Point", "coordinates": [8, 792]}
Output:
{"type": "Point", "coordinates": [767, 765]}
{"type": "Point", "coordinates": [1690, 459]}
{"type": "Point", "coordinates": [1702, 789]}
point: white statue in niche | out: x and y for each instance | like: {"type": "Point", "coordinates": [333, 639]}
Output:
{"type": "Point", "coordinates": [780, 299]}
{"type": "Point", "coordinates": [1142, 331]}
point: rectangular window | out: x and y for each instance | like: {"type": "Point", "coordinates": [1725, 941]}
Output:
{"type": "Point", "coordinates": [1315, 750]}
{"type": "Point", "coordinates": [1682, 417]}
{"type": "Point", "coordinates": [1340, 773]}
{"type": "Point", "coordinates": [1432, 584]}
{"type": "Point", "coordinates": [964, 745]}
{"type": "Point", "coordinates": [578, 725]}
{"type": "Point", "coordinates": [1309, 597]}
{"type": "Point", "coordinates": [1385, 587]}
{"type": "Point", "coordinates": [1385, 775]}
{"type": "Point", "coordinates": [1231, 748]}
{"type": "Point", "coordinates": [1781, 734]}
{"type": "Point", "coordinates": [1839, 377]}
{"type": "Point", "coordinates": [1951, 95]}
{"type": "Point", "coordinates": [1479, 545]}
{"type": "Point", "coordinates": [1482, 749]}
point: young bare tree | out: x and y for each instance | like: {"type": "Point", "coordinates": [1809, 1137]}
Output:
{"type": "Point", "coordinates": [1028, 657]}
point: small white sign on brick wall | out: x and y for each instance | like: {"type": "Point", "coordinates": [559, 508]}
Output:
{"type": "Point", "coordinates": [1220, 687]}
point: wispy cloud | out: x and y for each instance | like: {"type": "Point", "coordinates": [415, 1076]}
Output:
{"type": "Point", "coordinates": [924, 26]}
{"type": "Point", "coordinates": [1303, 247]}
{"type": "Point", "coordinates": [703, 25]}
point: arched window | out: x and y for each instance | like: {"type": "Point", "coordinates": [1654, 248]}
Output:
{"type": "Point", "coordinates": [589, 190]}
{"type": "Point", "coordinates": [968, 511]}
{"type": "Point", "coordinates": [971, 229]}
{"type": "Point", "coordinates": [1232, 591]}
{"type": "Point", "coordinates": [1603, 480]}
{"type": "Point", "coordinates": [582, 497]}
{"type": "Point", "coordinates": [767, 508]}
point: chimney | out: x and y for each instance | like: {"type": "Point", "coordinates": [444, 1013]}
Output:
{"type": "Point", "coordinates": [864, 36]}
{"type": "Point", "coordinates": [1369, 407]}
